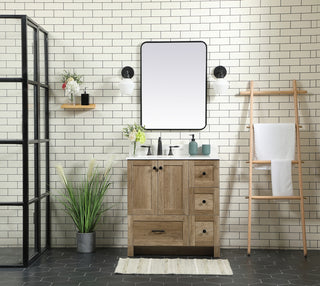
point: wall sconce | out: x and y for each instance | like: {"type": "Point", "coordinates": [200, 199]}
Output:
{"type": "Point", "coordinates": [126, 84]}
{"type": "Point", "coordinates": [220, 85]}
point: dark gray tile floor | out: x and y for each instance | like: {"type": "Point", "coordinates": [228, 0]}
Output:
{"type": "Point", "coordinates": [63, 267]}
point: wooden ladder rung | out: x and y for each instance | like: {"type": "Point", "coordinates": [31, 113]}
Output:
{"type": "Point", "coordinates": [300, 126]}
{"type": "Point", "coordinates": [276, 197]}
{"type": "Point", "coordinates": [269, 162]}
{"type": "Point", "coordinates": [270, 92]}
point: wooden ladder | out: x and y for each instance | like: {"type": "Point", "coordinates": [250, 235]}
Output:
{"type": "Point", "coordinates": [295, 93]}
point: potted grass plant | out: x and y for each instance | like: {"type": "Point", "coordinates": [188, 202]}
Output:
{"type": "Point", "coordinates": [83, 201]}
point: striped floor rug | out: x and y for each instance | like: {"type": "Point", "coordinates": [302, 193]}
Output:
{"type": "Point", "coordinates": [173, 266]}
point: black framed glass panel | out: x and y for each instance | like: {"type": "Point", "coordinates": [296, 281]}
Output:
{"type": "Point", "coordinates": [31, 52]}
{"type": "Point", "coordinates": [43, 225]}
{"type": "Point", "coordinates": [31, 111]}
{"type": "Point", "coordinates": [42, 165]}
{"type": "Point", "coordinates": [42, 113]}
{"type": "Point", "coordinates": [10, 48]}
{"type": "Point", "coordinates": [11, 235]}
{"type": "Point", "coordinates": [32, 179]}
{"type": "Point", "coordinates": [42, 57]}
{"type": "Point", "coordinates": [24, 153]}
{"type": "Point", "coordinates": [32, 231]}
{"type": "Point", "coordinates": [11, 168]}
{"type": "Point", "coordinates": [10, 111]}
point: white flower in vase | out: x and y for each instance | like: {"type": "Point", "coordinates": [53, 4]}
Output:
{"type": "Point", "coordinates": [72, 87]}
{"type": "Point", "coordinates": [132, 136]}
{"type": "Point", "coordinates": [71, 84]}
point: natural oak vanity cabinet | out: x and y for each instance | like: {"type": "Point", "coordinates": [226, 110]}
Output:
{"type": "Point", "coordinates": [157, 187]}
{"type": "Point", "coordinates": [173, 203]}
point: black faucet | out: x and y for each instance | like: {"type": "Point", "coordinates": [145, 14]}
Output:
{"type": "Point", "coordinates": [170, 150]}
{"type": "Point", "coordinates": [149, 149]}
{"type": "Point", "coordinates": [159, 147]}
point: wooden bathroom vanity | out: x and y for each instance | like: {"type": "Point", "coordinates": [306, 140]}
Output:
{"type": "Point", "coordinates": [173, 203]}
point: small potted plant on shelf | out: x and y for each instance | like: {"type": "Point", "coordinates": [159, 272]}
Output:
{"type": "Point", "coordinates": [135, 133]}
{"type": "Point", "coordinates": [71, 84]}
{"type": "Point", "coordinates": [83, 201]}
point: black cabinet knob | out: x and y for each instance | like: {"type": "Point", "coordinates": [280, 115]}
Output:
{"type": "Point", "coordinates": [203, 173]}
{"type": "Point", "coordinates": [204, 231]}
{"type": "Point", "coordinates": [155, 168]}
{"type": "Point", "coordinates": [204, 201]}
{"type": "Point", "coordinates": [160, 168]}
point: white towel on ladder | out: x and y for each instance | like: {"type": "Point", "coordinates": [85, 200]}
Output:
{"type": "Point", "coordinates": [281, 177]}
{"type": "Point", "coordinates": [276, 142]}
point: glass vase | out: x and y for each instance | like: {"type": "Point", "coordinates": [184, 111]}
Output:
{"type": "Point", "coordinates": [133, 149]}
{"type": "Point", "coordinates": [72, 98]}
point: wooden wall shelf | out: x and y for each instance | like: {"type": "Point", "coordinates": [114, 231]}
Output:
{"type": "Point", "coordinates": [78, 106]}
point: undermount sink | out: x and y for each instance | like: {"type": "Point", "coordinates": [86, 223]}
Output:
{"type": "Point", "coordinates": [174, 157]}
{"type": "Point", "coordinates": [158, 157]}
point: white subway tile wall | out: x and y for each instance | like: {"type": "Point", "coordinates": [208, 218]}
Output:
{"type": "Point", "coordinates": [269, 41]}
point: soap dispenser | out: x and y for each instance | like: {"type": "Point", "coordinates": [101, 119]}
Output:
{"type": "Point", "coordinates": [193, 146]}
{"type": "Point", "coordinates": [85, 97]}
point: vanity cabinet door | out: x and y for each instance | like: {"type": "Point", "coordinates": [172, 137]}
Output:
{"type": "Point", "coordinates": [142, 187]}
{"type": "Point", "coordinates": [173, 187]}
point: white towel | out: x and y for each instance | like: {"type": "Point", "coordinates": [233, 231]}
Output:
{"type": "Point", "coordinates": [276, 142]}
{"type": "Point", "coordinates": [281, 177]}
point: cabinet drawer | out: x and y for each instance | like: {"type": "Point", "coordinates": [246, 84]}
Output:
{"type": "Point", "coordinates": [204, 174]}
{"type": "Point", "coordinates": [204, 233]}
{"type": "Point", "coordinates": [203, 202]}
{"type": "Point", "coordinates": [158, 233]}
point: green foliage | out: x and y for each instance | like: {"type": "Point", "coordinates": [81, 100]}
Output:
{"type": "Point", "coordinates": [84, 200]}
{"type": "Point", "coordinates": [135, 132]}
{"type": "Point", "coordinates": [66, 75]}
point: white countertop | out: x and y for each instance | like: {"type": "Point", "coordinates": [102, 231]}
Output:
{"type": "Point", "coordinates": [178, 157]}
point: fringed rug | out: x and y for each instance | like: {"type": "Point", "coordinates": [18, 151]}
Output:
{"type": "Point", "coordinates": [173, 266]}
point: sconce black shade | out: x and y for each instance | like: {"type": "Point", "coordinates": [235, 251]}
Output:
{"type": "Point", "coordinates": [127, 72]}
{"type": "Point", "coordinates": [220, 72]}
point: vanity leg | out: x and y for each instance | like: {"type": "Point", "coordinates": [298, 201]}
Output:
{"type": "Point", "coordinates": [130, 250]}
{"type": "Point", "coordinates": [216, 251]}
{"type": "Point", "coordinates": [130, 236]}
{"type": "Point", "coordinates": [216, 234]}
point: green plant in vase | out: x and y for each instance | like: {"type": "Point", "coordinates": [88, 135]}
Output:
{"type": "Point", "coordinates": [135, 133]}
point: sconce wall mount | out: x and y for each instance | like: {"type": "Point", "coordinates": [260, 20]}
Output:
{"type": "Point", "coordinates": [220, 85]}
{"type": "Point", "coordinates": [126, 84]}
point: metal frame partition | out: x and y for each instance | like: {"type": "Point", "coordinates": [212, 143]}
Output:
{"type": "Point", "coordinates": [34, 142]}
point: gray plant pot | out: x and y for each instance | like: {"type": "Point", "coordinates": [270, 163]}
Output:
{"type": "Point", "coordinates": [86, 242]}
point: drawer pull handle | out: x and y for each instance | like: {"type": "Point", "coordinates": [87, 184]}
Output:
{"type": "Point", "coordinates": [158, 231]}
{"type": "Point", "coordinates": [204, 201]}
{"type": "Point", "coordinates": [204, 231]}
{"type": "Point", "coordinates": [204, 173]}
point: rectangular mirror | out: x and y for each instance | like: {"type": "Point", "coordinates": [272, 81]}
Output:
{"type": "Point", "coordinates": [174, 85]}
